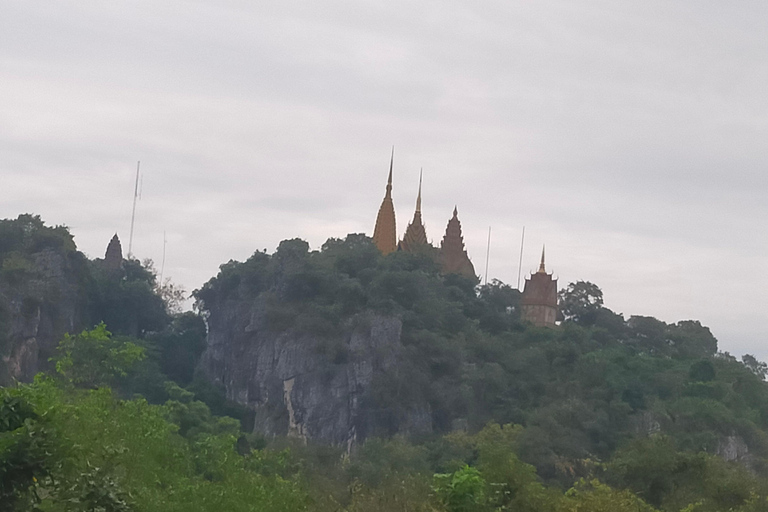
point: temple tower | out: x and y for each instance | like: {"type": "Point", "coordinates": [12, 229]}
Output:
{"type": "Point", "coordinates": [415, 237]}
{"type": "Point", "coordinates": [453, 256]}
{"type": "Point", "coordinates": [385, 232]}
{"type": "Point", "coordinates": [539, 300]}
{"type": "Point", "coordinates": [113, 258]}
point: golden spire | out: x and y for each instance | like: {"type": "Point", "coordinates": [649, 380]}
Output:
{"type": "Point", "coordinates": [415, 235]}
{"type": "Point", "coordinates": [418, 197]}
{"type": "Point", "coordinates": [385, 231]}
{"type": "Point", "coordinates": [542, 270]}
{"type": "Point", "coordinates": [453, 256]}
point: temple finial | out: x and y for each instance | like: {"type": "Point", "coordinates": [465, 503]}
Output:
{"type": "Point", "coordinates": [418, 197]}
{"type": "Point", "coordinates": [455, 211]}
{"type": "Point", "coordinates": [541, 266]}
{"type": "Point", "coordinates": [385, 231]}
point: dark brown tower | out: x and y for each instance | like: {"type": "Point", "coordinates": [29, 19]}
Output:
{"type": "Point", "coordinates": [113, 258]}
{"type": "Point", "coordinates": [452, 254]}
{"type": "Point", "coordinates": [415, 237]}
{"type": "Point", "coordinates": [539, 300]}
{"type": "Point", "coordinates": [385, 231]}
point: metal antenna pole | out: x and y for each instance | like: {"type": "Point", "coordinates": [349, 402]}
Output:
{"type": "Point", "coordinates": [487, 254]}
{"type": "Point", "coordinates": [162, 265]}
{"type": "Point", "coordinates": [520, 263]}
{"type": "Point", "coordinates": [133, 213]}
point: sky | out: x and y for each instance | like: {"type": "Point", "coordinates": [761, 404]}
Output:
{"type": "Point", "coordinates": [629, 137]}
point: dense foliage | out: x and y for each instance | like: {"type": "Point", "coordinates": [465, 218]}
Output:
{"type": "Point", "coordinates": [585, 394]}
{"type": "Point", "coordinates": [55, 289]}
{"type": "Point", "coordinates": [602, 413]}
{"type": "Point", "coordinates": [71, 449]}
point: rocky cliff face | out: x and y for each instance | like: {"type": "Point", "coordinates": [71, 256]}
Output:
{"type": "Point", "coordinates": [38, 307]}
{"type": "Point", "coordinates": [293, 382]}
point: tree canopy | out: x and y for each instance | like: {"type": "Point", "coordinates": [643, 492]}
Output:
{"type": "Point", "coordinates": [600, 413]}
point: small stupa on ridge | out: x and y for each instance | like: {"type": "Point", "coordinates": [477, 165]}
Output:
{"type": "Point", "coordinates": [113, 257]}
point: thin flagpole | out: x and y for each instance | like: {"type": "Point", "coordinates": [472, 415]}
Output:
{"type": "Point", "coordinates": [162, 265]}
{"type": "Point", "coordinates": [520, 263]}
{"type": "Point", "coordinates": [487, 254]}
{"type": "Point", "coordinates": [133, 213]}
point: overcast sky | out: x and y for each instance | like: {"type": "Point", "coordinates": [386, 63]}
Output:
{"type": "Point", "coordinates": [630, 137]}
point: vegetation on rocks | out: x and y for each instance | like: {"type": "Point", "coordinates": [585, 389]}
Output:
{"type": "Point", "coordinates": [603, 413]}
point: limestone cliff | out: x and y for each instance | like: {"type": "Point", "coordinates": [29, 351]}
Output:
{"type": "Point", "coordinates": [291, 380]}
{"type": "Point", "coordinates": [39, 302]}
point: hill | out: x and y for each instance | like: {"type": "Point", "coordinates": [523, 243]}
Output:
{"type": "Point", "coordinates": [447, 354]}
{"type": "Point", "coordinates": [359, 382]}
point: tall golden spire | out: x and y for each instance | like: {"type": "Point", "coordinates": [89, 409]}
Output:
{"type": "Point", "coordinates": [542, 270]}
{"type": "Point", "coordinates": [415, 236]}
{"type": "Point", "coordinates": [385, 231]}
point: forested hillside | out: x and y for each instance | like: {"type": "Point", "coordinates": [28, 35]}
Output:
{"type": "Point", "coordinates": [443, 398]}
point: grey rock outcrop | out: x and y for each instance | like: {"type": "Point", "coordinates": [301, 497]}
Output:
{"type": "Point", "coordinates": [733, 448]}
{"type": "Point", "coordinates": [37, 311]}
{"type": "Point", "coordinates": [646, 423]}
{"type": "Point", "coordinates": [291, 380]}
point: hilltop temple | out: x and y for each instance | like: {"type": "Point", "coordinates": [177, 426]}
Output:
{"type": "Point", "coordinates": [452, 256]}
{"type": "Point", "coordinates": [539, 299]}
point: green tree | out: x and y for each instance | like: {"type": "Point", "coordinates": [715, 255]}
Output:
{"type": "Point", "coordinates": [650, 335]}
{"type": "Point", "coordinates": [691, 339]}
{"type": "Point", "coordinates": [702, 371]}
{"type": "Point", "coordinates": [180, 346]}
{"type": "Point", "coordinates": [757, 367]}
{"type": "Point", "coordinates": [514, 485]}
{"type": "Point", "coordinates": [24, 452]}
{"type": "Point", "coordinates": [497, 307]}
{"type": "Point", "coordinates": [353, 255]}
{"type": "Point", "coordinates": [67, 449]}
{"type": "Point", "coordinates": [28, 234]}
{"type": "Point", "coordinates": [463, 490]}
{"type": "Point", "coordinates": [130, 304]}
{"type": "Point", "coordinates": [594, 496]}
{"type": "Point", "coordinates": [94, 358]}
{"type": "Point", "coordinates": [580, 302]}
